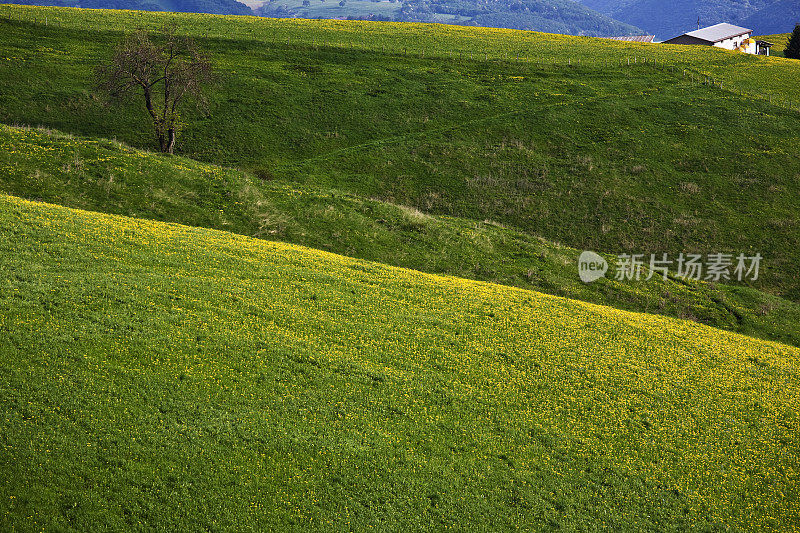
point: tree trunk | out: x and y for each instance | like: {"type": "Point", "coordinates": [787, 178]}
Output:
{"type": "Point", "coordinates": [170, 141]}
{"type": "Point", "coordinates": [162, 142]}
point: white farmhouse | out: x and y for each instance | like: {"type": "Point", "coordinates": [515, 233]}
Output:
{"type": "Point", "coordinates": [725, 36]}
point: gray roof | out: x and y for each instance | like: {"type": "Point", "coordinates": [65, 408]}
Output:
{"type": "Point", "coordinates": [718, 32]}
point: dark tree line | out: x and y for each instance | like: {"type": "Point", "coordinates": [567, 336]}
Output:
{"type": "Point", "coordinates": [793, 46]}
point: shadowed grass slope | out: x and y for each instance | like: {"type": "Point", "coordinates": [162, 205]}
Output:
{"type": "Point", "coordinates": [613, 158]}
{"type": "Point", "coordinates": [144, 364]}
{"type": "Point", "coordinates": [758, 76]}
{"type": "Point", "coordinates": [107, 176]}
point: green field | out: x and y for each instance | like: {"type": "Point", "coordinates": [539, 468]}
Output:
{"type": "Point", "coordinates": [351, 300]}
{"type": "Point", "coordinates": [106, 176]}
{"type": "Point", "coordinates": [756, 76]}
{"type": "Point", "coordinates": [165, 377]}
{"type": "Point", "coordinates": [519, 143]}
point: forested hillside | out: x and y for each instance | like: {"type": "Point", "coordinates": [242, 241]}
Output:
{"type": "Point", "coordinates": [779, 17]}
{"type": "Point", "coordinates": [668, 19]}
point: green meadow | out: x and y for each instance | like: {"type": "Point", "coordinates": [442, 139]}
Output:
{"type": "Point", "coordinates": [106, 176]}
{"type": "Point", "coordinates": [351, 300]}
{"type": "Point", "coordinates": [617, 159]}
{"type": "Point", "coordinates": [158, 376]}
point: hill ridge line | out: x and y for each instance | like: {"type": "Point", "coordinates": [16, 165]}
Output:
{"type": "Point", "coordinates": [31, 204]}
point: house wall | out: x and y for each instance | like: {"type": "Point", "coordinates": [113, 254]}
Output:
{"type": "Point", "coordinates": [727, 44]}
{"type": "Point", "coordinates": [734, 43]}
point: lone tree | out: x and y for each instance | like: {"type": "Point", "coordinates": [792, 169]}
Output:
{"type": "Point", "coordinates": [793, 46]}
{"type": "Point", "coordinates": [166, 70]}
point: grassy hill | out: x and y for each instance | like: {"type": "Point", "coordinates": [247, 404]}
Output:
{"type": "Point", "coordinates": [109, 177]}
{"type": "Point", "coordinates": [144, 364]}
{"type": "Point", "coordinates": [755, 76]}
{"type": "Point", "coordinates": [223, 340]}
{"type": "Point", "coordinates": [567, 142]}
{"type": "Point", "coordinates": [555, 16]}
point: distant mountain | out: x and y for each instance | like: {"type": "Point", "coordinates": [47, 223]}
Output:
{"type": "Point", "coordinates": [604, 6]}
{"type": "Point", "coordinates": [553, 16]}
{"type": "Point", "coordinates": [779, 17]}
{"type": "Point", "coordinates": [220, 7]}
{"type": "Point", "coordinates": [668, 19]}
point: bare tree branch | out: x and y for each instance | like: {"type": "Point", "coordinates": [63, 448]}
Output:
{"type": "Point", "coordinates": [141, 64]}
